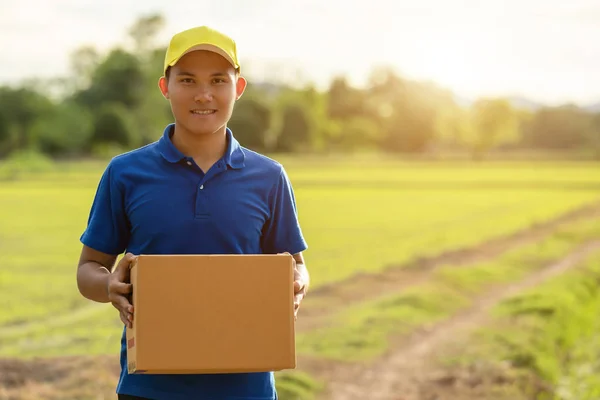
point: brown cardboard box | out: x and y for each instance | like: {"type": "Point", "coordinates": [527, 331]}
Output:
{"type": "Point", "coordinates": [212, 314]}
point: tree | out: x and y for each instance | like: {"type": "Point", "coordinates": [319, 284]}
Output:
{"type": "Point", "coordinates": [22, 107]}
{"type": "Point", "coordinates": [117, 79]}
{"type": "Point", "coordinates": [564, 127]}
{"type": "Point", "coordinates": [251, 122]}
{"type": "Point", "coordinates": [113, 126]}
{"type": "Point", "coordinates": [454, 127]}
{"type": "Point", "coordinates": [153, 111]}
{"type": "Point", "coordinates": [594, 134]}
{"type": "Point", "coordinates": [343, 101]}
{"type": "Point", "coordinates": [144, 32]}
{"type": "Point", "coordinates": [294, 130]}
{"type": "Point", "coordinates": [5, 133]}
{"type": "Point", "coordinates": [66, 131]}
{"type": "Point", "coordinates": [84, 62]}
{"type": "Point", "coordinates": [494, 122]}
{"type": "Point", "coordinates": [406, 111]}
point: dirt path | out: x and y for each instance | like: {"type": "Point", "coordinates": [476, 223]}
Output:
{"type": "Point", "coordinates": [399, 374]}
{"type": "Point", "coordinates": [327, 300]}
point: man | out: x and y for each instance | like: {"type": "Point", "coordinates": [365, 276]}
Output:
{"type": "Point", "coordinates": [194, 191]}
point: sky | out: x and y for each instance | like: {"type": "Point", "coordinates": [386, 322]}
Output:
{"type": "Point", "coordinates": [545, 50]}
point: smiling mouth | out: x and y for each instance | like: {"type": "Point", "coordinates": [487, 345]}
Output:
{"type": "Point", "coordinates": [203, 112]}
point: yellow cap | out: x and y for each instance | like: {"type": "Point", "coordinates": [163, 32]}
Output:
{"type": "Point", "coordinates": [201, 38]}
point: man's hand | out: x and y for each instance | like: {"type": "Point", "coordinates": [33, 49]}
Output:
{"type": "Point", "coordinates": [119, 288]}
{"type": "Point", "coordinates": [301, 280]}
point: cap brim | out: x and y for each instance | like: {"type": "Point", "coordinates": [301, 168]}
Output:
{"type": "Point", "coordinates": [208, 47]}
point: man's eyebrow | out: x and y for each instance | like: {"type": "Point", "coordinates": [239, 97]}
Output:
{"type": "Point", "coordinates": [184, 73]}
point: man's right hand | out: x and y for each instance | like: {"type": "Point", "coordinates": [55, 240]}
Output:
{"type": "Point", "coordinates": [119, 288]}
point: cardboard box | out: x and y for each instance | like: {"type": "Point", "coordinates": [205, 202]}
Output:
{"type": "Point", "coordinates": [211, 314]}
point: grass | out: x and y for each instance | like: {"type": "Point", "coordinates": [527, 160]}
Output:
{"type": "Point", "coordinates": [361, 332]}
{"type": "Point", "coordinates": [548, 335]}
{"type": "Point", "coordinates": [296, 385]}
{"type": "Point", "coordinates": [350, 227]}
{"type": "Point", "coordinates": [359, 216]}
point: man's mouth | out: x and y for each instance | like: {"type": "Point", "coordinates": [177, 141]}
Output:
{"type": "Point", "coordinates": [203, 112]}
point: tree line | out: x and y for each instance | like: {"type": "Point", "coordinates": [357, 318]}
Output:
{"type": "Point", "coordinates": [110, 102]}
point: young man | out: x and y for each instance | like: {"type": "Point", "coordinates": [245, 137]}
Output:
{"type": "Point", "coordinates": [194, 191]}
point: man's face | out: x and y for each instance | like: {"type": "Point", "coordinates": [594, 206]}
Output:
{"type": "Point", "coordinates": [202, 88]}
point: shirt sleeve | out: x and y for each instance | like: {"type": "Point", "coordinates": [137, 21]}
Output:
{"type": "Point", "coordinates": [107, 228]}
{"type": "Point", "coordinates": [282, 232]}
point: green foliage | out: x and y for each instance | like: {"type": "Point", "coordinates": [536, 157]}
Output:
{"type": "Point", "coordinates": [5, 133]}
{"type": "Point", "coordinates": [21, 107]}
{"type": "Point", "coordinates": [23, 163]}
{"type": "Point", "coordinates": [295, 129]}
{"type": "Point", "coordinates": [494, 122]}
{"type": "Point", "coordinates": [296, 385]}
{"type": "Point", "coordinates": [390, 114]}
{"type": "Point", "coordinates": [409, 111]}
{"type": "Point", "coordinates": [67, 131]}
{"type": "Point", "coordinates": [558, 128]}
{"type": "Point", "coordinates": [549, 333]}
{"type": "Point", "coordinates": [114, 126]}
{"type": "Point", "coordinates": [251, 122]}
{"type": "Point", "coordinates": [117, 79]}
{"type": "Point", "coordinates": [551, 322]}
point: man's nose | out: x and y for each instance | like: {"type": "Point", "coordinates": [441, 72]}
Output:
{"type": "Point", "coordinates": [203, 95]}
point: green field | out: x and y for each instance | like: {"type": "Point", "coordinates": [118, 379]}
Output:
{"type": "Point", "coordinates": [357, 217]}
{"type": "Point", "coordinates": [361, 332]}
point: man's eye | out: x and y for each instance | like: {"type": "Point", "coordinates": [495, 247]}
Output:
{"type": "Point", "coordinates": [219, 80]}
{"type": "Point", "coordinates": [187, 80]}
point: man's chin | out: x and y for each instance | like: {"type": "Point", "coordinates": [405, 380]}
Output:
{"type": "Point", "coordinates": [202, 129]}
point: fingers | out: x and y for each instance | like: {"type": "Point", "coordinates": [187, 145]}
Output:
{"type": "Point", "coordinates": [127, 319]}
{"type": "Point", "coordinates": [125, 309]}
{"type": "Point", "coordinates": [118, 292]}
{"type": "Point", "coordinates": [121, 288]}
{"type": "Point", "coordinates": [122, 269]}
{"type": "Point", "coordinates": [128, 258]}
{"type": "Point", "coordinates": [297, 300]}
{"type": "Point", "coordinates": [121, 303]}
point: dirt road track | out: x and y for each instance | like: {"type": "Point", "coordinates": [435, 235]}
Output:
{"type": "Point", "coordinates": [329, 299]}
{"type": "Point", "coordinates": [401, 373]}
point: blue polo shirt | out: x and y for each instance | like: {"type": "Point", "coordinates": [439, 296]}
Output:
{"type": "Point", "coordinates": [155, 200]}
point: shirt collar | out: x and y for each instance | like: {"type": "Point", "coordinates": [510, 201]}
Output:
{"type": "Point", "coordinates": [234, 154]}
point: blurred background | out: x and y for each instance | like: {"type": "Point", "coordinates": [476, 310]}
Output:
{"type": "Point", "coordinates": [444, 155]}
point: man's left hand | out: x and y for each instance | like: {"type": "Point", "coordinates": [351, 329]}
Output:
{"type": "Point", "coordinates": [301, 282]}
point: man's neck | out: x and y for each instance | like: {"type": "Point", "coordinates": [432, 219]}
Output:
{"type": "Point", "coordinates": [204, 149]}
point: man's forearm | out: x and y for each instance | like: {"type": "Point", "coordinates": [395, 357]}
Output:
{"type": "Point", "coordinates": [92, 281]}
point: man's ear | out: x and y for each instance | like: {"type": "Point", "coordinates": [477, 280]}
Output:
{"type": "Point", "coordinates": [240, 86]}
{"type": "Point", "coordinates": [163, 86]}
